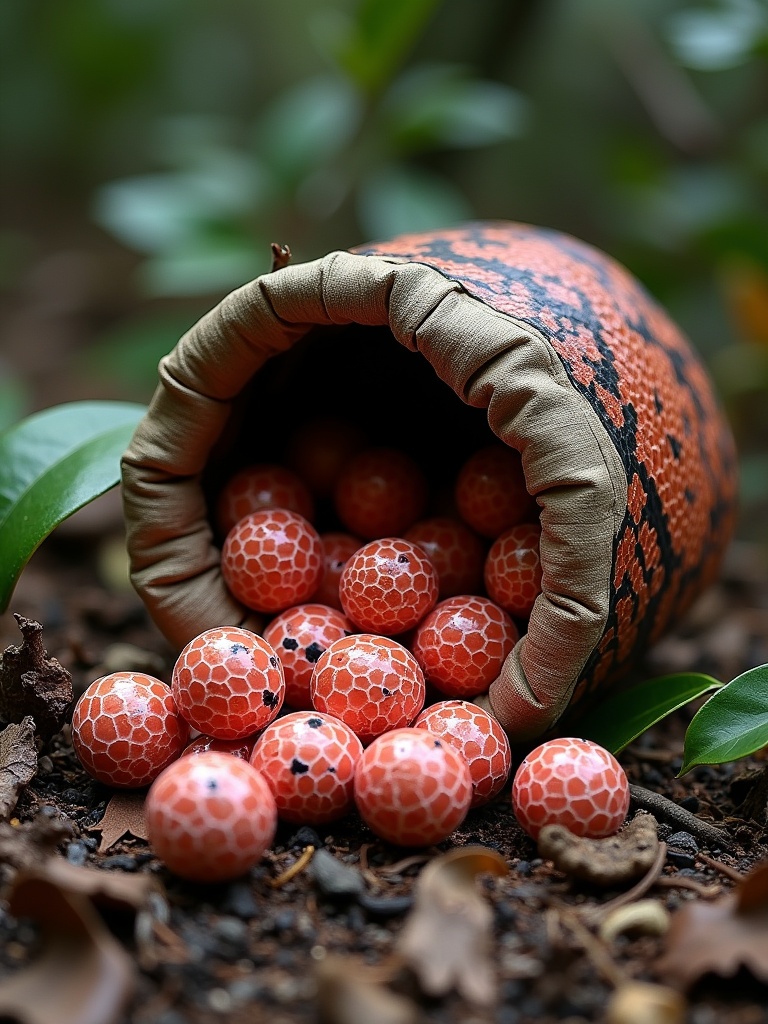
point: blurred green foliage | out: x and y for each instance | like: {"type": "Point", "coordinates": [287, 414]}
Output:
{"type": "Point", "coordinates": [194, 134]}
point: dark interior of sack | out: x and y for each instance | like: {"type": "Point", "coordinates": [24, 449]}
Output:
{"type": "Point", "coordinates": [363, 376]}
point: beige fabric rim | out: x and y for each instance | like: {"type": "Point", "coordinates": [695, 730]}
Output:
{"type": "Point", "coordinates": [489, 359]}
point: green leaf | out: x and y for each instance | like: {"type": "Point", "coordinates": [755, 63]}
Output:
{"type": "Point", "coordinates": [440, 104]}
{"type": "Point", "coordinates": [396, 199]}
{"type": "Point", "coordinates": [307, 124]}
{"type": "Point", "coordinates": [625, 716]}
{"type": "Point", "coordinates": [373, 43]}
{"type": "Point", "coordinates": [732, 724]}
{"type": "Point", "coordinates": [51, 464]}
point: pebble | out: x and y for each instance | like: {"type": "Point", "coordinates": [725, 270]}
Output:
{"type": "Point", "coordinates": [305, 836]}
{"type": "Point", "coordinates": [385, 906]}
{"type": "Point", "coordinates": [239, 901]}
{"type": "Point", "coordinates": [231, 930]}
{"type": "Point", "coordinates": [120, 862]}
{"type": "Point", "coordinates": [45, 765]}
{"type": "Point", "coordinates": [77, 853]}
{"type": "Point", "coordinates": [334, 878]}
{"type": "Point", "coordinates": [682, 849]}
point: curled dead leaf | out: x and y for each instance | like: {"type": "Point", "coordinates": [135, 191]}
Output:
{"type": "Point", "coordinates": [446, 940]}
{"type": "Point", "coordinates": [82, 976]}
{"type": "Point", "coordinates": [18, 763]}
{"type": "Point", "coordinates": [610, 861]}
{"type": "Point", "coordinates": [347, 996]}
{"type": "Point", "coordinates": [720, 936]}
{"type": "Point", "coordinates": [124, 815]}
{"type": "Point", "coordinates": [33, 684]}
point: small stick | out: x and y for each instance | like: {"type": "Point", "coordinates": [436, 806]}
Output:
{"type": "Point", "coordinates": [706, 891]}
{"type": "Point", "coordinates": [406, 862]}
{"type": "Point", "coordinates": [724, 869]}
{"type": "Point", "coordinates": [639, 889]}
{"type": "Point", "coordinates": [281, 256]}
{"type": "Point", "coordinates": [595, 950]}
{"type": "Point", "coordinates": [659, 805]}
{"type": "Point", "coordinates": [296, 868]}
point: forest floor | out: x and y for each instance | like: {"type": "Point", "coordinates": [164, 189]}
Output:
{"type": "Point", "coordinates": [324, 941]}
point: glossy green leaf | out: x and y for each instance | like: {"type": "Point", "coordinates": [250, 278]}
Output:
{"type": "Point", "coordinates": [371, 45]}
{"type": "Point", "coordinates": [732, 724]}
{"type": "Point", "coordinates": [440, 104]}
{"type": "Point", "coordinates": [623, 717]}
{"type": "Point", "coordinates": [51, 464]}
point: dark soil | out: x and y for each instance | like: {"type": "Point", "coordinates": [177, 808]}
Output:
{"type": "Point", "coordinates": [248, 951]}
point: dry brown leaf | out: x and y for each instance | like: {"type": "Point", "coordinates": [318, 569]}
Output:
{"type": "Point", "coordinates": [721, 936]}
{"type": "Point", "coordinates": [32, 841]}
{"type": "Point", "coordinates": [609, 861]}
{"type": "Point", "coordinates": [124, 815]}
{"type": "Point", "coordinates": [446, 940]}
{"type": "Point", "coordinates": [82, 976]}
{"type": "Point", "coordinates": [18, 763]}
{"type": "Point", "coordinates": [346, 996]}
{"type": "Point", "coordinates": [33, 684]}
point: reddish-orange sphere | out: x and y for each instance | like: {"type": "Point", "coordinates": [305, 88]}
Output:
{"type": "Point", "coordinates": [126, 728]}
{"type": "Point", "coordinates": [479, 739]}
{"type": "Point", "coordinates": [513, 569]}
{"type": "Point", "coordinates": [272, 559]}
{"type": "Point", "coordinates": [371, 683]}
{"type": "Point", "coordinates": [309, 761]}
{"type": "Point", "coordinates": [263, 486]}
{"type": "Point", "coordinates": [490, 491]}
{"type": "Point", "coordinates": [228, 683]}
{"type": "Point", "coordinates": [412, 787]}
{"type": "Point", "coordinates": [380, 493]}
{"type": "Point", "coordinates": [299, 636]}
{"type": "Point", "coordinates": [571, 782]}
{"type": "Point", "coordinates": [210, 817]}
{"type": "Point", "coordinates": [462, 643]}
{"type": "Point", "coordinates": [388, 586]}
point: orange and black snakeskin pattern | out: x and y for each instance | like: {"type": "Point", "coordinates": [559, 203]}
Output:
{"type": "Point", "coordinates": [622, 352]}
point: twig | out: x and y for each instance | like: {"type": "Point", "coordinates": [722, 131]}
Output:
{"type": "Point", "coordinates": [405, 863]}
{"type": "Point", "coordinates": [281, 256]}
{"type": "Point", "coordinates": [659, 805]}
{"type": "Point", "coordinates": [296, 868]}
{"type": "Point", "coordinates": [639, 889]}
{"type": "Point", "coordinates": [675, 882]}
{"type": "Point", "coordinates": [724, 869]}
{"type": "Point", "coordinates": [595, 950]}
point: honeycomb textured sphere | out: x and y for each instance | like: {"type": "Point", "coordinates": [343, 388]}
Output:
{"type": "Point", "coordinates": [210, 817]}
{"type": "Point", "coordinates": [412, 788]}
{"type": "Point", "coordinates": [228, 683]}
{"type": "Point", "coordinates": [309, 761]}
{"type": "Point", "coordinates": [571, 782]}
{"type": "Point", "coordinates": [126, 728]}
{"type": "Point", "coordinates": [371, 683]}
{"type": "Point", "coordinates": [479, 739]}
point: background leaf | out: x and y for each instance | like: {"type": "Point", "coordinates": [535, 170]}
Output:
{"type": "Point", "coordinates": [732, 724]}
{"type": "Point", "coordinates": [397, 199]}
{"type": "Point", "coordinates": [378, 38]}
{"type": "Point", "coordinates": [625, 716]}
{"type": "Point", "coordinates": [52, 464]}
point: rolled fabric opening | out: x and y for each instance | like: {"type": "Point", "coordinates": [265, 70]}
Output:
{"type": "Point", "coordinates": [573, 364]}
